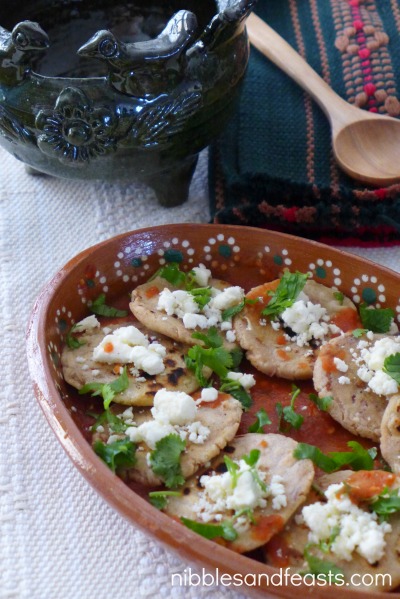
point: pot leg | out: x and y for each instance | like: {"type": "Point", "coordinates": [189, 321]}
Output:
{"type": "Point", "coordinates": [172, 186]}
{"type": "Point", "coordinates": [33, 171]}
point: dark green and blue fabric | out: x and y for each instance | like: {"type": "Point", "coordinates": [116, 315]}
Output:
{"type": "Point", "coordinates": [273, 166]}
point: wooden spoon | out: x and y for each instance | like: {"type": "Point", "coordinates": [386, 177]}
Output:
{"type": "Point", "coordinates": [366, 145]}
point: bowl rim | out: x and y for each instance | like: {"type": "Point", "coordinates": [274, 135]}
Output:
{"type": "Point", "coordinates": [190, 546]}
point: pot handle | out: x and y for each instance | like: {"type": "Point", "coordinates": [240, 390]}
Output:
{"type": "Point", "coordinates": [223, 26]}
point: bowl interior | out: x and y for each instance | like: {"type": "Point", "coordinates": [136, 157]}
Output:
{"type": "Point", "coordinates": [240, 255]}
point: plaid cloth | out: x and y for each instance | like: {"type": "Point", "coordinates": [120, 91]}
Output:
{"type": "Point", "coordinates": [273, 166]}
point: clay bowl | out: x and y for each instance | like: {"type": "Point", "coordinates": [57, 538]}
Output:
{"type": "Point", "coordinates": [119, 90]}
{"type": "Point", "coordinates": [241, 255]}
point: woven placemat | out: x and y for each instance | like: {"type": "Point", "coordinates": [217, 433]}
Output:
{"type": "Point", "coordinates": [273, 166]}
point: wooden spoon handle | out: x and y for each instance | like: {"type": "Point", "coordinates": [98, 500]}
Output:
{"type": "Point", "coordinates": [274, 47]}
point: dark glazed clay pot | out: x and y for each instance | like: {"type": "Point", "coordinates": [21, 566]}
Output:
{"type": "Point", "coordinates": [98, 89]}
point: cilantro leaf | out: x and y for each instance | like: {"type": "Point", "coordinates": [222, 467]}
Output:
{"type": "Point", "coordinates": [358, 459]}
{"type": "Point", "coordinates": [252, 458]}
{"type": "Point", "coordinates": [210, 339]}
{"type": "Point", "coordinates": [218, 359]}
{"type": "Point", "coordinates": [165, 460]}
{"type": "Point", "coordinates": [224, 530]}
{"type": "Point", "coordinates": [386, 503]}
{"type": "Point", "coordinates": [171, 273]}
{"type": "Point", "coordinates": [377, 320]}
{"type": "Point", "coordinates": [232, 468]}
{"type": "Point", "coordinates": [116, 425]}
{"type": "Point", "coordinates": [120, 454]}
{"type": "Point", "coordinates": [284, 296]}
{"type": "Point", "coordinates": [201, 295]}
{"type": "Point", "coordinates": [237, 391]}
{"type": "Point", "coordinates": [391, 366]}
{"type": "Point", "coordinates": [339, 296]}
{"type": "Point", "coordinates": [159, 499]}
{"type": "Point", "coordinates": [107, 390]}
{"type": "Point", "coordinates": [237, 356]}
{"type": "Point", "coordinates": [357, 333]}
{"type": "Point", "coordinates": [71, 341]}
{"type": "Point", "coordinates": [262, 419]}
{"type": "Point", "coordinates": [100, 308]}
{"type": "Point", "coordinates": [288, 413]}
{"type": "Point", "coordinates": [229, 313]}
{"type": "Point", "coordinates": [320, 567]}
{"type": "Point", "coordinates": [322, 403]}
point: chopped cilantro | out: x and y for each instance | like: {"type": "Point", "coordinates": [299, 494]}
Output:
{"type": "Point", "coordinates": [201, 295]}
{"type": "Point", "coordinates": [235, 389]}
{"type": "Point", "coordinates": [322, 568]}
{"type": "Point", "coordinates": [288, 413]}
{"type": "Point", "coordinates": [357, 333]}
{"type": "Point", "coordinates": [71, 341]}
{"type": "Point", "coordinates": [231, 312]}
{"type": "Point", "coordinates": [218, 359]}
{"type": "Point", "coordinates": [253, 457]}
{"type": "Point", "coordinates": [210, 339]}
{"type": "Point", "coordinates": [232, 468]}
{"type": "Point", "coordinates": [262, 419]}
{"type": "Point", "coordinates": [160, 498]}
{"type": "Point", "coordinates": [224, 530]}
{"type": "Point", "coordinates": [100, 308]}
{"type": "Point", "coordinates": [377, 320]}
{"type": "Point", "coordinates": [120, 454]}
{"type": "Point", "coordinates": [165, 460]}
{"type": "Point", "coordinates": [358, 459]}
{"type": "Point", "coordinates": [339, 296]}
{"type": "Point", "coordinates": [107, 390]}
{"type": "Point", "coordinates": [115, 424]}
{"type": "Point", "coordinates": [322, 403]}
{"type": "Point", "coordinates": [172, 274]}
{"type": "Point", "coordinates": [386, 503]}
{"type": "Point", "coordinates": [237, 356]}
{"type": "Point", "coordinates": [391, 366]}
{"type": "Point", "coordinates": [284, 296]}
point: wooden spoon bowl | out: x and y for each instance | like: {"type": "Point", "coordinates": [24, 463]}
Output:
{"type": "Point", "coordinates": [366, 145]}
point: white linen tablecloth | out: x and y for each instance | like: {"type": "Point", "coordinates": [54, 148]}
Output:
{"type": "Point", "coordinates": [58, 538]}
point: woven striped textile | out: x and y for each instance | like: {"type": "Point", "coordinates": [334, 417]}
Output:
{"type": "Point", "coordinates": [273, 166]}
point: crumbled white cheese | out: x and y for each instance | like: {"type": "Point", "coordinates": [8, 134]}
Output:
{"type": "Point", "coordinates": [344, 380]}
{"type": "Point", "coordinates": [173, 413]}
{"type": "Point", "coordinates": [129, 345]}
{"type": "Point", "coordinates": [177, 303]}
{"type": "Point", "coordinates": [382, 384]}
{"type": "Point", "coordinates": [208, 394]}
{"type": "Point", "coordinates": [221, 493]}
{"type": "Point", "coordinates": [181, 303]}
{"type": "Point", "coordinates": [131, 336]}
{"type": "Point", "coordinates": [197, 432]}
{"type": "Point", "coordinates": [88, 323]}
{"type": "Point", "coordinates": [307, 321]}
{"type": "Point", "coordinates": [173, 407]}
{"type": "Point", "coordinates": [359, 530]}
{"type": "Point", "coordinates": [231, 336]}
{"type": "Point", "coordinates": [340, 365]}
{"type": "Point", "coordinates": [150, 432]}
{"type": "Point", "coordinates": [246, 380]}
{"type": "Point", "coordinates": [371, 360]}
{"type": "Point", "coordinates": [375, 356]}
{"type": "Point", "coordinates": [201, 275]}
{"type": "Point", "coordinates": [229, 297]}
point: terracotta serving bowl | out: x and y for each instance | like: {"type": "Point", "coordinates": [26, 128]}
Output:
{"type": "Point", "coordinates": [111, 90]}
{"type": "Point", "coordinates": [237, 254]}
